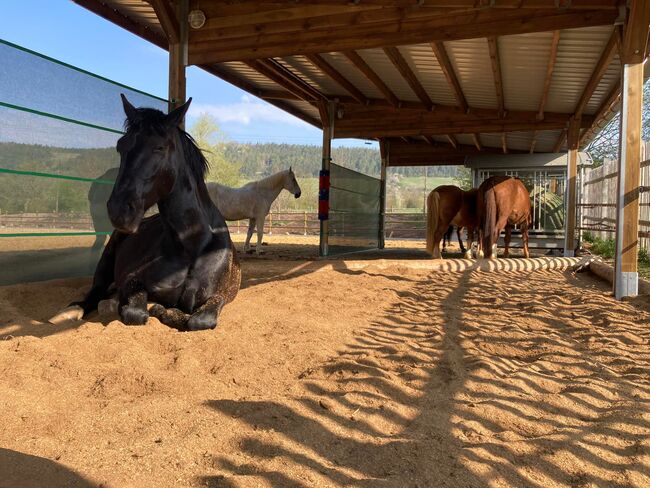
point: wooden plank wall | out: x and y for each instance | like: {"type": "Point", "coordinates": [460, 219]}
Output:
{"type": "Point", "coordinates": [598, 200]}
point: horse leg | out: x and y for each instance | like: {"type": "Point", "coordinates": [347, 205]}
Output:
{"type": "Point", "coordinates": [479, 244]}
{"type": "Point", "coordinates": [524, 238]}
{"type": "Point", "coordinates": [171, 317]}
{"type": "Point", "coordinates": [133, 303]}
{"type": "Point", "coordinates": [506, 239]}
{"type": "Point", "coordinates": [446, 237]}
{"type": "Point", "coordinates": [470, 241]}
{"type": "Point", "coordinates": [102, 280]}
{"type": "Point", "coordinates": [260, 234]}
{"type": "Point", "coordinates": [460, 239]}
{"type": "Point", "coordinates": [251, 228]}
{"type": "Point", "coordinates": [207, 315]}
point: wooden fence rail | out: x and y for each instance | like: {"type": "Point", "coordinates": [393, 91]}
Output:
{"type": "Point", "coordinates": [399, 225]}
{"type": "Point", "coordinates": [598, 200]}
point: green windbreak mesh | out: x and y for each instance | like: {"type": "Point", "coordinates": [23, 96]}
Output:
{"type": "Point", "coordinates": [354, 211]}
{"type": "Point", "coordinates": [58, 129]}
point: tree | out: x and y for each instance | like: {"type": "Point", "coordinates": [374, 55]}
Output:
{"type": "Point", "coordinates": [212, 141]}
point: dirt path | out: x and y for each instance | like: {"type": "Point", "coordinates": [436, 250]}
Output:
{"type": "Point", "coordinates": [321, 376]}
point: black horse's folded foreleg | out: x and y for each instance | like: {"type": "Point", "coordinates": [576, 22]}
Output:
{"type": "Point", "coordinates": [103, 278]}
{"type": "Point", "coordinates": [133, 303]}
{"type": "Point", "coordinates": [205, 317]}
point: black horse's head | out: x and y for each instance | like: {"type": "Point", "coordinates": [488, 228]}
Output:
{"type": "Point", "coordinates": [149, 162]}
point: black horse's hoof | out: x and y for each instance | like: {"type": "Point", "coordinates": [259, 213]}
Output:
{"type": "Point", "coordinates": [202, 321]}
{"type": "Point", "coordinates": [134, 316]}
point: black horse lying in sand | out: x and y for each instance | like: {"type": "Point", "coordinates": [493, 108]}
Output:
{"type": "Point", "coordinates": [182, 259]}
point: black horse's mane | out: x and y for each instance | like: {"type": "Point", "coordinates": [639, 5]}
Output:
{"type": "Point", "coordinates": [155, 120]}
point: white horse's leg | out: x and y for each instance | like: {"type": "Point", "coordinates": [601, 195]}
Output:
{"type": "Point", "coordinates": [251, 228]}
{"type": "Point", "coordinates": [260, 234]}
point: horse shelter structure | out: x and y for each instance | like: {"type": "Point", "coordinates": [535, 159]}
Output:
{"type": "Point", "coordinates": [434, 82]}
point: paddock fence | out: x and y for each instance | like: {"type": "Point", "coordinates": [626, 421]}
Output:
{"type": "Point", "coordinates": [399, 224]}
{"type": "Point", "coordinates": [597, 205]}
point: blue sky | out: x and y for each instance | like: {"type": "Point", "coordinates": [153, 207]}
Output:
{"type": "Point", "coordinates": [65, 31]}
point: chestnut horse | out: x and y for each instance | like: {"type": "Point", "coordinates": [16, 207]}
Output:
{"type": "Point", "coordinates": [449, 205]}
{"type": "Point", "coordinates": [503, 201]}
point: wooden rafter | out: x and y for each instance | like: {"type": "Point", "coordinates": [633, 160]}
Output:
{"type": "Point", "coordinates": [477, 141]}
{"type": "Point", "coordinates": [600, 69]}
{"type": "Point", "coordinates": [452, 140]}
{"type": "Point", "coordinates": [447, 68]}
{"type": "Point", "coordinates": [560, 141]}
{"type": "Point", "coordinates": [495, 61]}
{"type": "Point", "coordinates": [392, 27]}
{"type": "Point", "coordinates": [283, 77]}
{"type": "Point", "coordinates": [407, 73]}
{"type": "Point", "coordinates": [504, 143]}
{"type": "Point", "coordinates": [604, 109]}
{"type": "Point", "coordinates": [362, 66]}
{"type": "Point", "coordinates": [533, 143]}
{"type": "Point", "coordinates": [550, 67]}
{"type": "Point", "coordinates": [318, 61]}
{"type": "Point", "coordinates": [167, 18]}
{"type": "Point", "coordinates": [430, 140]}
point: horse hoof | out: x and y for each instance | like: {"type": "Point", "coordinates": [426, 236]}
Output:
{"type": "Point", "coordinates": [108, 307]}
{"type": "Point", "coordinates": [202, 321]}
{"type": "Point", "coordinates": [468, 255]}
{"type": "Point", "coordinates": [73, 312]}
{"type": "Point", "coordinates": [134, 316]}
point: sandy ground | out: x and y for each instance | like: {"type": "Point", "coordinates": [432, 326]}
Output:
{"type": "Point", "coordinates": [324, 374]}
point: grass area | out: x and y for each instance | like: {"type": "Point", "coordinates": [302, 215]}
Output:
{"type": "Point", "coordinates": [606, 248]}
{"type": "Point", "coordinates": [418, 182]}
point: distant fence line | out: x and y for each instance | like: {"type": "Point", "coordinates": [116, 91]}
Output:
{"type": "Point", "coordinates": [399, 224]}
{"type": "Point", "coordinates": [598, 200]}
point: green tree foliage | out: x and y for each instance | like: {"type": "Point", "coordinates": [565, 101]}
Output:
{"type": "Point", "coordinates": [212, 141]}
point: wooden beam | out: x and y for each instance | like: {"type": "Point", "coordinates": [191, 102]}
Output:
{"type": "Point", "coordinates": [635, 38]}
{"type": "Point", "coordinates": [384, 152]}
{"type": "Point", "coordinates": [447, 68]}
{"type": "Point", "coordinates": [495, 61]}
{"type": "Point", "coordinates": [318, 61]}
{"type": "Point", "coordinates": [573, 143]}
{"type": "Point", "coordinates": [504, 143]}
{"type": "Point", "coordinates": [550, 67]}
{"type": "Point", "coordinates": [285, 78]}
{"type": "Point", "coordinates": [167, 18]}
{"type": "Point", "coordinates": [533, 143]}
{"type": "Point", "coordinates": [362, 66]}
{"type": "Point", "coordinates": [178, 58]}
{"type": "Point", "coordinates": [629, 177]}
{"type": "Point", "coordinates": [560, 141]}
{"type": "Point", "coordinates": [477, 141]}
{"type": "Point", "coordinates": [430, 140]}
{"type": "Point", "coordinates": [452, 140]}
{"type": "Point", "coordinates": [601, 66]}
{"type": "Point", "coordinates": [605, 107]}
{"type": "Point", "coordinates": [407, 73]}
{"type": "Point", "coordinates": [327, 110]}
{"type": "Point", "coordinates": [463, 25]}
{"type": "Point", "coordinates": [123, 21]}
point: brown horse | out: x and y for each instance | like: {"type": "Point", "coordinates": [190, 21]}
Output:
{"type": "Point", "coordinates": [449, 205]}
{"type": "Point", "coordinates": [503, 201]}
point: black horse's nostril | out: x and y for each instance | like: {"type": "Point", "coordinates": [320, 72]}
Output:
{"type": "Point", "coordinates": [297, 195]}
{"type": "Point", "coordinates": [132, 206]}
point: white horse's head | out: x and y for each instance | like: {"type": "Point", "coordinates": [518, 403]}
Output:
{"type": "Point", "coordinates": [290, 184]}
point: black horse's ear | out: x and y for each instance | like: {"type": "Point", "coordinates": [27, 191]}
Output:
{"type": "Point", "coordinates": [176, 116]}
{"type": "Point", "coordinates": [129, 109]}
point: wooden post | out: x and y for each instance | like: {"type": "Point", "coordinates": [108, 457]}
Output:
{"type": "Point", "coordinates": [626, 275]}
{"type": "Point", "coordinates": [178, 59]}
{"type": "Point", "coordinates": [573, 142]}
{"type": "Point", "coordinates": [327, 114]}
{"type": "Point", "coordinates": [384, 150]}
{"type": "Point", "coordinates": [632, 53]}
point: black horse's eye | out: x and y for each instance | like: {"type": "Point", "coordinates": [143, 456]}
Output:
{"type": "Point", "coordinates": [160, 149]}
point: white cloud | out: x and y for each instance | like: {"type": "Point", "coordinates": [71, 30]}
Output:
{"type": "Point", "coordinates": [246, 111]}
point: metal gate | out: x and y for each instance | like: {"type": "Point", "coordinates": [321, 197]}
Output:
{"type": "Point", "coordinates": [547, 196]}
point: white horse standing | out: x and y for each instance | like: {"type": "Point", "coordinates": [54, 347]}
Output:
{"type": "Point", "coordinates": [253, 201]}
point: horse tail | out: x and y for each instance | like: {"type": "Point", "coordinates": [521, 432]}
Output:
{"type": "Point", "coordinates": [433, 204]}
{"type": "Point", "coordinates": [489, 219]}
